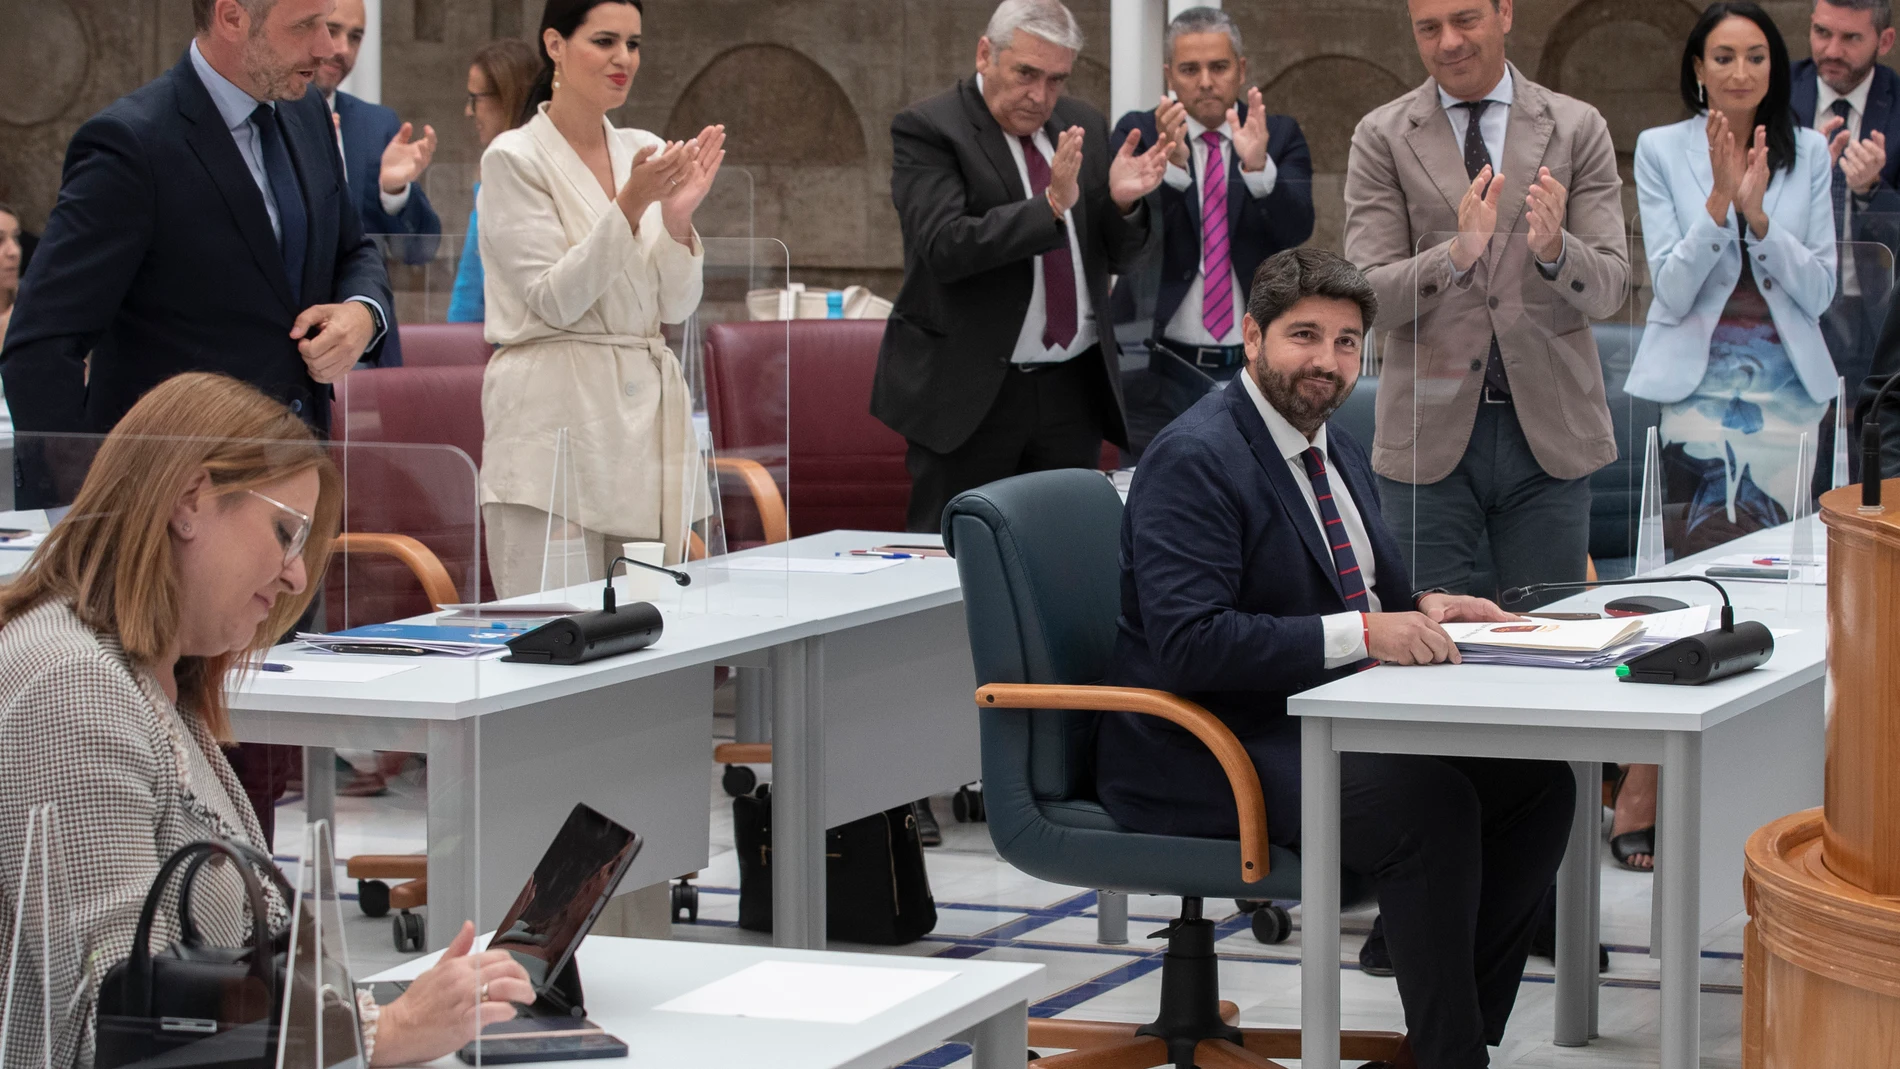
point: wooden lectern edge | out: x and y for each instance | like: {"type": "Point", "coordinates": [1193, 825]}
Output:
{"type": "Point", "coordinates": [1805, 914]}
{"type": "Point", "coordinates": [1840, 507]}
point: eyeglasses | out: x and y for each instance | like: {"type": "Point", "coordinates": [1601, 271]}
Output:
{"type": "Point", "coordinates": [291, 539]}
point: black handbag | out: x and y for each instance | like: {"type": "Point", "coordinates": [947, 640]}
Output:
{"type": "Point", "coordinates": [876, 888]}
{"type": "Point", "coordinates": [224, 1003]}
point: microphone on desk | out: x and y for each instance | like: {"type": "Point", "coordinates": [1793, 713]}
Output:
{"type": "Point", "coordinates": [589, 636]}
{"type": "Point", "coordinates": [1728, 650]}
{"type": "Point", "coordinates": [1870, 449]}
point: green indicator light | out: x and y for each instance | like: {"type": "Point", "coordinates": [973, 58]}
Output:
{"type": "Point", "coordinates": [1622, 671]}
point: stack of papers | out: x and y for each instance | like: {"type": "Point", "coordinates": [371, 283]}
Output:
{"type": "Point", "coordinates": [417, 640]}
{"type": "Point", "coordinates": [1537, 643]}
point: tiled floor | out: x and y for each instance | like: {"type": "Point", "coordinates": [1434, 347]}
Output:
{"type": "Point", "coordinates": [986, 909]}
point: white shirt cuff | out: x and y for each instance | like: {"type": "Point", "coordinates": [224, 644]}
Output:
{"type": "Point", "coordinates": [1177, 177]}
{"type": "Point", "coordinates": [1551, 271]}
{"type": "Point", "coordinates": [1345, 638]}
{"type": "Point", "coordinates": [394, 203]}
{"type": "Point", "coordinates": [381, 313]}
{"type": "Point", "coordinates": [1260, 183]}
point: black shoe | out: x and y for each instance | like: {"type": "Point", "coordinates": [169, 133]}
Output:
{"type": "Point", "coordinates": [1374, 960]}
{"type": "Point", "coordinates": [1544, 940]}
{"type": "Point", "coordinates": [927, 831]}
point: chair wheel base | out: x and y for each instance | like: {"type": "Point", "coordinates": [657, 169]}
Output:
{"type": "Point", "coordinates": [409, 932]}
{"type": "Point", "coordinates": [1271, 924]}
{"type": "Point", "coordinates": [685, 903]}
{"type": "Point", "coordinates": [372, 897]}
{"type": "Point", "coordinates": [738, 780]}
{"type": "Point", "coordinates": [967, 806]}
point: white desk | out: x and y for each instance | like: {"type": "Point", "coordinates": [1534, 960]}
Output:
{"type": "Point", "coordinates": [985, 1005]}
{"type": "Point", "coordinates": [1735, 754]}
{"type": "Point", "coordinates": [871, 676]}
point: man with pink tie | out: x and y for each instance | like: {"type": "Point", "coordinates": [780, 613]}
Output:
{"type": "Point", "coordinates": [1016, 206]}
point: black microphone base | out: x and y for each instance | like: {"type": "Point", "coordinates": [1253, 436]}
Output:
{"type": "Point", "coordinates": [1703, 658]}
{"type": "Point", "coordinates": [588, 636]}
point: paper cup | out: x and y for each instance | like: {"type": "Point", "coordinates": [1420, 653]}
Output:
{"type": "Point", "coordinates": [642, 584]}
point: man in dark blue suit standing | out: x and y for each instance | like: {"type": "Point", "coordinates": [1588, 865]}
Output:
{"type": "Point", "coordinates": [1252, 169]}
{"type": "Point", "coordinates": [382, 157]}
{"type": "Point", "coordinates": [203, 224]}
{"type": "Point", "coordinates": [1256, 564]}
{"type": "Point", "coordinates": [1846, 93]}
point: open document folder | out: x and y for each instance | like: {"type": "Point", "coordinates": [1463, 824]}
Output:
{"type": "Point", "coordinates": [1539, 643]}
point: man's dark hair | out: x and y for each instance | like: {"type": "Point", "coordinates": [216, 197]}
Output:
{"type": "Point", "coordinates": [1882, 9]}
{"type": "Point", "coordinates": [201, 11]}
{"type": "Point", "coordinates": [1291, 276]}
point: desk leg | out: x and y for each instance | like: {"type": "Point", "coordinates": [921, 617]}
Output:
{"type": "Point", "coordinates": [1678, 891]}
{"type": "Point", "coordinates": [752, 717]}
{"type": "Point", "coordinates": [1002, 1041]}
{"type": "Point", "coordinates": [1319, 895]}
{"type": "Point", "coordinates": [454, 830]}
{"type": "Point", "coordinates": [319, 786]}
{"type": "Point", "coordinates": [798, 794]}
{"type": "Point", "coordinates": [1576, 927]}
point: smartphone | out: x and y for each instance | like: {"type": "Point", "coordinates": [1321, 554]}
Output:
{"type": "Point", "coordinates": [571, 1046]}
{"type": "Point", "coordinates": [1566, 615]}
{"type": "Point", "coordinates": [376, 647]}
{"type": "Point", "coordinates": [1743, 571]}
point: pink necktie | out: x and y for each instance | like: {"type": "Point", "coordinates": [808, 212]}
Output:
{"type": "Point", "coordinates": [1217, 287]}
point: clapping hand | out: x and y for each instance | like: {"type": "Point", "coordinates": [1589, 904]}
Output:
{"type": "Point", "coordinates": [1477, 219]}
{"type": "Point", "coordinates": [1250, 137]}
{"type": "Point", "coordinates": [1545, 206]}
{"type": "Point", "coordinates": [1835, 130]}
{"type": "Point", "coordinates": [1132, 177]}
{"type": "Point", "coordinates": [1064, 170]}
{"type": "Point", "coordinates": [1171, 123]}
{"type": "Point", "coordinates": [1862, 160]}
{"type": "Point", "coordinates": [1727, 162]}
{"type": "Point", "coordinates": [404, 160]}
{"type": "Point", "coordinates": [693, 183]}
{"type": "Point", "coordinates": [656, 171]}
{"type": "Point", "coordinates": [1754, 185]}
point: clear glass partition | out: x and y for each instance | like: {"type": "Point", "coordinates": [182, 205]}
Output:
{"type": "Point", "coordinates": [1502, 464]}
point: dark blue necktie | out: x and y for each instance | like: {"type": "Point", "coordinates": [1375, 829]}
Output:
{"type": "Point", "coordinates": [1841, 108]}
{"type": "Point", "coordinates": [288, 196]}
{"type": "Point", "coordinates": [1352, 582]}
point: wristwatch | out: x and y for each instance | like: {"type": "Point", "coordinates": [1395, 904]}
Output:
{"type": "Point", "coordinates": [376, 320]}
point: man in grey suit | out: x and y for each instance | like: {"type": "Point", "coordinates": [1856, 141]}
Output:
{"type": "Point", "coordinates": [1015, 209]}
{"type": "Point", "coordinates": [1485, 209]}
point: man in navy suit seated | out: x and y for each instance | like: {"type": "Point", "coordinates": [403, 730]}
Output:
{"type": "Point", "coordinates": [1256, 564]}
{"type": "Point", "coordinates": [382, 156]}
{"type": "Point", "coordinates": [1259, 187]}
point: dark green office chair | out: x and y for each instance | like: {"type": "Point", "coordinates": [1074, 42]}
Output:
{"type": "Point", "coordinates": [1038, 559]}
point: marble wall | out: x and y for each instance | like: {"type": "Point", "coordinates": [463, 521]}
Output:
{"type": "Point", "coordinates": [807, 89]}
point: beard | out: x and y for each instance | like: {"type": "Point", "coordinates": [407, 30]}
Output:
{"type": "Point", "coordinates": [1285, 394]}
{"type": "Point", "coordinates": [272, 78]}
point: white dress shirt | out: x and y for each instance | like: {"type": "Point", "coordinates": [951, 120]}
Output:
{"type": "Point", "coordinates": [1856, 111]}
{"type": "Point", "coordinates": [1344, 632]}
{"type": "Point", "coordinates": [393, 203]}
{"type": "Point", "coordinates": [1029, 347]}
{"type": "Point", "coordinates": [1497, 119]}
{"type": "Point", "coordinates": [235, 107]}
{"type": "Point", "coordinates": [1186, 326]}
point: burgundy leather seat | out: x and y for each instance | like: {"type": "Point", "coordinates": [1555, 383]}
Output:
{"type": "Point", "coordinates": [844, 469]}
{"type": "Point", "coordinates": [444, 345]}
{"type": "Point", "coordinates": [430, 495]}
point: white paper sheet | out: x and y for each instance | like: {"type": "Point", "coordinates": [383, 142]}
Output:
{"type": "Point", "coordinates": [339, 670]}
{"type": "Point", "coordinates": [820, 565]}
{"type": "Point", "coordinates": [800, 991]}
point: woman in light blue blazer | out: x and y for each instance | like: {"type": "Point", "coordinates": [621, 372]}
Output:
{"type": "Point", "coordinates": [498, 83]}
{"type": "Point", "coordinates": [1738, 220]}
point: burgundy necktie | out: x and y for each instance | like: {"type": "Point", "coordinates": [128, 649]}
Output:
{"type": "Point", "coordinates": [1217, 293]}
{"type": "Point", "coordinates": [1058, 270]}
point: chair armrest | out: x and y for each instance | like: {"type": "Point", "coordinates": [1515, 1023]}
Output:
{"type": "Point", "coordinates": [765, 495]}
{"type": "Point", "coordinates": [1242, 779]}
{"type": "Point", "coordinates": [426, 566]}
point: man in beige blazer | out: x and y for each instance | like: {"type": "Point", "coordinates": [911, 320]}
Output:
{"type": "Point", "coordinates": [1485, 209]}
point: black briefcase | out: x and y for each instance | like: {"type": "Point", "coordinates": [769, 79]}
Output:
{"type": "Point", "coordinates": [223, 1003]}
{"type": "Point", "coordinates": [876, 889]}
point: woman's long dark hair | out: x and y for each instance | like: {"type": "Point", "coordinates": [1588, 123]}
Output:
{"type": "Point", "coordinates": [1774, 111]}
{"type": "Point", "coordinates": [563, 17]}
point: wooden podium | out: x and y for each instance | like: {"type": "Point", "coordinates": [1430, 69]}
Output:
{"type": "Point", "coordinates": [1821, 973]}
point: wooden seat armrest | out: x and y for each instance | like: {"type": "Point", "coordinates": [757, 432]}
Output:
{"type": "Point", "coordinates": [765, 495]}
{"type": "Point", "coordinates": [1242, 779]}
{"type": "Point", "coordinates": [420, 560]}
{"type": "Point", "coordinates": [743, 753]}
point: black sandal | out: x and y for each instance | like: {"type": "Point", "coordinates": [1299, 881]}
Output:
{"type": "Point", "coordinates": [1631, 843]}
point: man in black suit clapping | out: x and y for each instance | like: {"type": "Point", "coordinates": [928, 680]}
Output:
{"type": "Point", "coordinates": [1252, 169]}
{"type": "Point", "coordinates": [1015, 208]}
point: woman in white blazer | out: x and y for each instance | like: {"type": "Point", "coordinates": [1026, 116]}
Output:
{"type": "Point", "coordinates": [587, 248]}
{"type": "Point", "coordinates": [1739, 224]}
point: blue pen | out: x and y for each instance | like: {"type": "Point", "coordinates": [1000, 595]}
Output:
{"type": "Point", "coordinates": [881, 556]}
{"type": "Point", "coordinates": [272, 667]}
